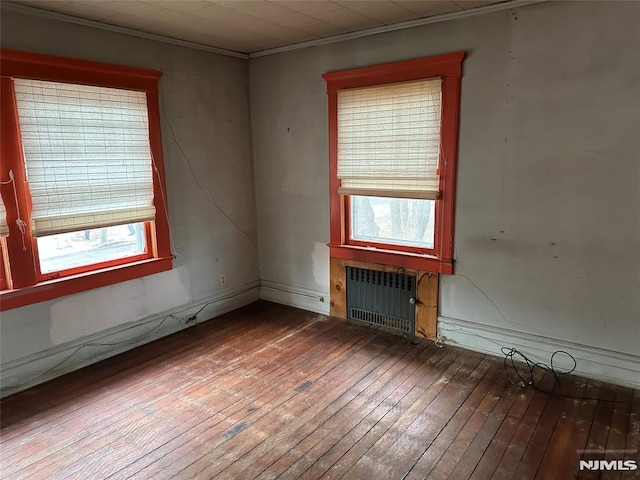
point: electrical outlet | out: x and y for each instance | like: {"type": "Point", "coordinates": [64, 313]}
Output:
{"type": "Point", "coordinates": [223, 279]}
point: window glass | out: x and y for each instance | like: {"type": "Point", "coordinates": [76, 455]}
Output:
{"type": "Point", "coordinates": [398, 221]}
{"type": "Point", "coordinates": [77, 249]}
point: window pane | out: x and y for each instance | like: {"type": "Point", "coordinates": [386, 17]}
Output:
{"type": "Point", "coordinates": [397, 221]}
{"type": "Point", "coordinates": [77, 249]}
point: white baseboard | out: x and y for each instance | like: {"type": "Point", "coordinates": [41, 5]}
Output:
{"type": "Point", "coordinates": [593, 362]}
{"type": "Point", "coordinates": [25, 372]}
{"type": "Point", "coordinates": [294, 296]}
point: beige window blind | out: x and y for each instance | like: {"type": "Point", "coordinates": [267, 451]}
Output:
{"type": "Point", "coordinates": [87, 155]}
{"type": "Point", "coordinates": [389, 139]}
{"type": "Point", "coordinates": [4, 228]}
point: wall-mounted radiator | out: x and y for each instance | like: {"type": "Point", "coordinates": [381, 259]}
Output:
{"type": "Point", "coordinates": [381, 298]}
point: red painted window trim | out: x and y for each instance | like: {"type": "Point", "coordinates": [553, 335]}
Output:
{"type": "Point", "coordinates": [28, 285]}
{"type": "Point", "coordinates": [440, 259]}
{"type": "Point", "coordinates": [52, 289]}
{"type": "Point", "coordinates": [14, 63]}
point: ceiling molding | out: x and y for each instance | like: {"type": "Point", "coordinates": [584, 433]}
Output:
{"type": "Point", "coordinates": [397, 26]}
{"type": "Point", "coordinates": [113, 28]}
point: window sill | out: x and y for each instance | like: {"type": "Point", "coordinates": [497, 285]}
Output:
{"type": "Point", "coordinates": [81, 282]}
{"type": "Point", "coordinates": [428, 263]}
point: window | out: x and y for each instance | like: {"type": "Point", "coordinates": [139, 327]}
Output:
{"type": "Point", "coordinates": [393, 133]}
{"type": "Point", "coordinates": [82, 177]}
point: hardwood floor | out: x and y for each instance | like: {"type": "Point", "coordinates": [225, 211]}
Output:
{"type": "Point", "coordinates": [273, 392]}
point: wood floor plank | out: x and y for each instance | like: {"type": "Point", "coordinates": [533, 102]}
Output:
{"type": "Point", "coordinates": [259, 399]}
{"type": "Point", "coordinates": [496, 445]}
{"type": "Point", "coordinates": [351, 414]}
{"type": "Point", "coordinates": [410, 447]}
{"type": "Point", "coordinates": [434, 450]}
{"type": "Point", "coordinates": [132, 366]}
{"type": "Point", "coordinates": [261, 403]}
{"type": "Point", "coordinates": [632, 442]}
{"type": "Point", "coordinates": [376, 463]}
{"type": "Point", "coordinates": [499, 398]}
{"type": "Point", "coordinates": [202, 467]}
{"type": "Point", "coordinates": [78, 379]}
{"type": "Point", "coordinates": [616, 441]}
{"type": "Point", "coordinates": [102, 428]}
{"type": "Point", "coordinates": [312, 432]}
{"type": "Point", "coordinates": [269, 391]}
{"type": "Point", "coordinates": [125, 411]}
{"type": "Point", "coordinates": [440, 368]}
{"type": "Point", "coordinates": [537, 446]}
{"type": "Point", "coordinates": [397, 395]}
{"type": "Point", "coordinates": [572, 429]}
{"type": "Point", "coordinates": [521, 438]}
{"type": "Point", "coordinates": [279, 443]}
{"type": "Point", "coordinates": [599, 427]}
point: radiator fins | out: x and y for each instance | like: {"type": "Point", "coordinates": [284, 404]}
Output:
{"type": "Point", "coordinates": [381, 298]}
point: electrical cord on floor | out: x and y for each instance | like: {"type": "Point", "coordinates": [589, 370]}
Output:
{"type": "Point", "coordinates": [521, 381]}
{"type": "Point", "coordinates": [516, 377]}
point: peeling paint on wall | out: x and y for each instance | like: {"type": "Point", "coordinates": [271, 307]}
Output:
{"type": "Point", "coordinates": [320, 259]}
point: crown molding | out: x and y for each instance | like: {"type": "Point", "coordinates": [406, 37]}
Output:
{"type": "Point", "coordinates": [506, 5]}
{"type": "Point", "coordinates": [124, 30]}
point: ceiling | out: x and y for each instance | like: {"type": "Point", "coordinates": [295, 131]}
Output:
{"type": "Point", "coordinates": [253, 26]}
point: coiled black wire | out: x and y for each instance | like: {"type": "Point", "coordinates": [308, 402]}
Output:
{"type": "Point", "coordinates": [513, 367]}
{"type": "Point", "coordinates": [510, 354]}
